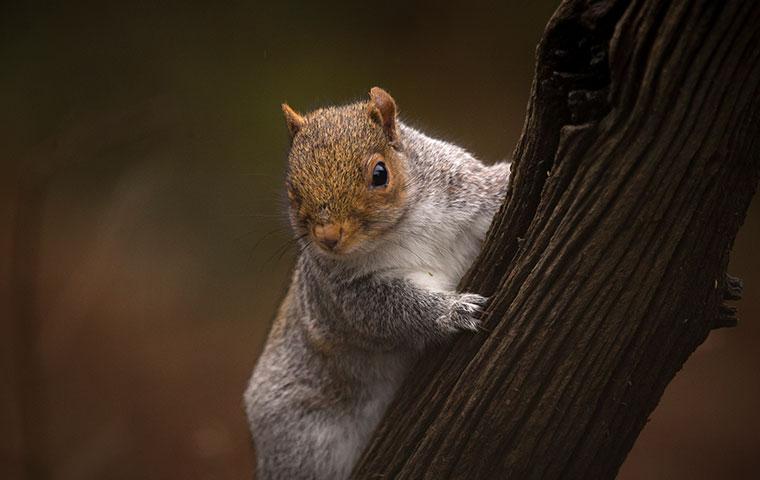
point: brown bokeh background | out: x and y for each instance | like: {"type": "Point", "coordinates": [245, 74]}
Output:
{"type": "Point", "coordinates": [142, 237]}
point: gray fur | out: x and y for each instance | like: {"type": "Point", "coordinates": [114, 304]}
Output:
{"type": "Point", "coordinates": [350, 329]}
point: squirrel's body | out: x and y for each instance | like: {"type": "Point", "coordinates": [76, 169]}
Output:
{"type": "Point", "coordinates": [378, 290]}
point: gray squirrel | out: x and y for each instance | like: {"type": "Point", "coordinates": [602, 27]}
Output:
{"type": "Point", "coordinates": [388, 220]}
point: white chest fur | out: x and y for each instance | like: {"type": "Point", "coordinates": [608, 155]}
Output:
{"type": "Point", "coordinates": [436, 257]}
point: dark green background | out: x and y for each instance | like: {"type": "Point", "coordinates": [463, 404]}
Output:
{"type": "Point", "coordinates": [142, 232]}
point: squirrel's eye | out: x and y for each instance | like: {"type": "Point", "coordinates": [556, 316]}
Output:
{"type": "Point", "coordinates": [379, 175]}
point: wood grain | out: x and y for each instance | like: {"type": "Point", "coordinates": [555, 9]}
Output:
{"type": "Point", "coordinates": [606, 264]}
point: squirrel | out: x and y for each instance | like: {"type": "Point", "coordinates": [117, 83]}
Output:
{"type": "Point", "coordinates": [388, 220]}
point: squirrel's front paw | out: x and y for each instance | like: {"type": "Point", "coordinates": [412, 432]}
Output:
{"type": "Point", "coordinates": [465, 313]}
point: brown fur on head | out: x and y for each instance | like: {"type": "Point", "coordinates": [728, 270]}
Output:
{"type": "Point", "coordinates": [333, 154]}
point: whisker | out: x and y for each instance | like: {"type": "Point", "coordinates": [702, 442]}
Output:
{"type": "Point", "coordinates": [269, 234]}
{"type": "Point", "coordinates": [275, 230]}
{"type": "Point", "coordinates": [400, 245]}
{"type": "Point", "coordinates": [282, 249]}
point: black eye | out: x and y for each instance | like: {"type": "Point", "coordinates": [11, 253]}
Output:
{"type": "Point", "coordinates": [379, 175]}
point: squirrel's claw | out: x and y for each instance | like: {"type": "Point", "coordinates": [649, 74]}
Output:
{"type": "Point", "coordinates": [466, 311]}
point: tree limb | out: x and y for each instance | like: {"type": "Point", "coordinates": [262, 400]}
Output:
{"type": "Point", "coordinates": [606, 264]}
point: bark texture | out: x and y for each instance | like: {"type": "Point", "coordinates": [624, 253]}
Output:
{"type": "Point", "coordinates": [606, 264]}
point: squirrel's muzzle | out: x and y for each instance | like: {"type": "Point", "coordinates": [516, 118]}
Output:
{"type": "Point", "coordinates": [328, 236]}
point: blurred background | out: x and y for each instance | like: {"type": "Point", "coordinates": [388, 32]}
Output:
{"type": "Point", "coordinates": [141, 222]}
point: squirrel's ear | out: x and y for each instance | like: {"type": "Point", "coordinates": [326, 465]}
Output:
{"type": "Point", "coordinates": [294, 120]}
{"type": "Point", "coordinates": [383, 111]}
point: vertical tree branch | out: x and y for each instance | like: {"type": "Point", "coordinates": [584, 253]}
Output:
{"type": "Point", "coordinates": [606, 264]}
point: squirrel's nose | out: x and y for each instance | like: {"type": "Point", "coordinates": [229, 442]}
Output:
{"type": "Point", "coordinates": [328, 235]}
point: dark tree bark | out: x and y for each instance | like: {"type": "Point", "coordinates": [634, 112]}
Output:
{"type": "Point", "coordinates": [606, 264]}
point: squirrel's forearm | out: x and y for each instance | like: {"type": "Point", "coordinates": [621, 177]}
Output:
{"type": "Point", "coordinates": [388, 313]}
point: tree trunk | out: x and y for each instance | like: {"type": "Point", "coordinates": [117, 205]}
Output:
{"type": "Point", "coordinates": [606, 264]}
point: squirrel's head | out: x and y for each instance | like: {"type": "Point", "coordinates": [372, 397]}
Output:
{"type": "Point", "coordinates": [346, 176]}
